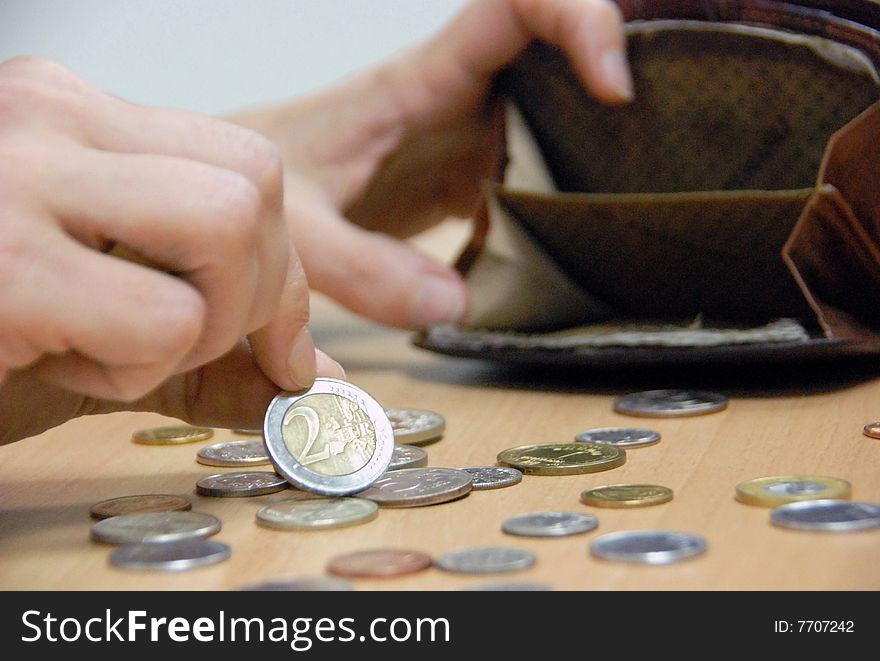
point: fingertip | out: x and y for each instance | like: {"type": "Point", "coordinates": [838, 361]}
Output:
{"type": "Point", "coordinates": [328, 367]}
{"type": "Point", "coordinates": [439, 299]}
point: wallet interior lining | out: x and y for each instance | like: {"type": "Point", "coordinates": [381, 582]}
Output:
{"type": "Point", "coordinates": [675, 207]}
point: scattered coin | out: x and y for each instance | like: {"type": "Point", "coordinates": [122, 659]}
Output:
{"type": "Point", "coordinates": [563, 458]}
{"type": "Point", "coordinates": [416, 426]}
{"type": "Point", "coordinates": [240, 484]}
{"type": "Point", "coordinates": [486, 560]}
{"type": "Point", "coordinates": [549, 524]}
{"type": "Point", "coordinates": [333, 439]}
{"type": "Point", "coordinates": [407, 456]}
{"type": "Point", "coordinates": [625, 437]}
{"type": "Point", "coordinates": [627, 495]}
{"type": "Point", "coordinates": [493, 477]}
{"type": "Point", "coordinates": [173, 435]}
{"type": "Point", "coordinates": [313, 584]}
{"type": "Point", "coordinates": [234, 453]}
{"type": "Point", "coordinates": [136, 504]}
{"type": "Point", "coordinates": [827, 515]}
{"type": "Point", "coordinates": [414, 487]}
{"type": "Point", "coordinates": [170, 556]}
{"type": "Point", "coordinates": [317, 514]}
{"type": "Point", "coordinates": [509, 587]}
{"type": "Point", "coordinates": [650, 547]}
{"type": "Point", "coordinates": [872, 429]}
{"type": "Point", "coordinates": [670, 403]}
{"type": "Point", "coordinates": [776, 491]}
{"type": "Point", "coordinates": [155, 527]}
{"type": "Point", "coordinates": [249, 432]}
{"type": "Point", "coordinates": [378, 563]}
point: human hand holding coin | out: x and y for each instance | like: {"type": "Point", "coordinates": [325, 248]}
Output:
{"type": "Point", "coordinates": [404, 145]}
{"type": "Point", "coordinates": [138, 246]}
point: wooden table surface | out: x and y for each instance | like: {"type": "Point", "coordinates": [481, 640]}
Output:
{"type": "Point", "coordinates": [780, 421]}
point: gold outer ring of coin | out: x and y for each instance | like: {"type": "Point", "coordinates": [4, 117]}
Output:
{"type": "Point", "coordinates": [642, 495]}
{"type": "Point", "coordinates": [608, 457]}
{"type": "Point", "coordinates": [872, 429]}
{"type": "Point", "coordinates": [172, 435]}
{"type": "Point", "coordinates": [152, 502]}
{"type": "Point", "coordinates": [753, 492]}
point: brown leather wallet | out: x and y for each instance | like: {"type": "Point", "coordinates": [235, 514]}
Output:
{"type": "Point", "coordinates": [731, 212]}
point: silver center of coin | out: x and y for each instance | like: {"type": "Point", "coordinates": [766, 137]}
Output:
{"type": "Point", "coordinates": [486, 560]}
{"type": "Point", "coordinates": [652, 547]}
{"type": "Point", "coordinates": [794, 488]}
{"type": "Point", "coordinates": [550, 524]}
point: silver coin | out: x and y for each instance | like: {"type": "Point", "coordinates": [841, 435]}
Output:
{"type": "Point", "coordinates": [234, 453]}
{"type": "Point", "coordinates": [241, 484]}
{"type": "Point", "coordinates": [317, 514]}
{"type": "Point", "coordinates": [827, 515]}
{"type": "Point", "coordinates": [487, 560]}
{"type": "Point", "coordinates": [493, 477]}
{"type": "Point", "coordinates": [313, 584]}
{"type": "Point", "coordinates": [549, 524]}
{"type": "Point", "coordinates": [416, 426]}
{"type": "Point", "coordinates": [407, 456]}
{"type": "Point", "coordinates": [650, 547]}
{"type": "Point", "coordinates": [170, 556]}
{"type": "Point", "coordinates": [509, 587]}
{"type": "Point", "coordinates": [333, 439]}
{"type": "Point", "coordinates": [628, 437]}
{"type": "Point", "coordinates": [413, 487]}
{"type": "Point", "coordinates": [670, 403]}
{"type": "Point", "coordinates": [155, 527]}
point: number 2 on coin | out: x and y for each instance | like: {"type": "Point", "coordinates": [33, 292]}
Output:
{"type": "Point", "coordinates": [313, 426]}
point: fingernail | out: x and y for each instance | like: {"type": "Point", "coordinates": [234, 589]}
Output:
{"type": "Point", "coordinates": [327, 366]}
{"type": "Point", "coordinates": [616, 70]}
{"type": "Point", "coordinates": [301, 364]}
{"type": "Point", "coordinates": [439, 300]}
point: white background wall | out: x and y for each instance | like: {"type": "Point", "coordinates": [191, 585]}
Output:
{"type": "Point", "coordinates": [215, 56]}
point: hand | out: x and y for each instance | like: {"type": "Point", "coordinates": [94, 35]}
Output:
{"type": "Point", "coordinates": [137, 247]}
{"type": "Point", "coordinates": [407, 144]}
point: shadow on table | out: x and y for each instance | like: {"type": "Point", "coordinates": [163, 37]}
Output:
{"type": "Point", "coordinates": [754, 380]}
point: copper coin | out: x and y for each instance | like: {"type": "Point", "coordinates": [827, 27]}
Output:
{"type": "Point", "coordinates": [136, 504]}
{"type": "Point", "coordinates": [378, 563]}
{"type": "Point", "coordinates": [872, 429]}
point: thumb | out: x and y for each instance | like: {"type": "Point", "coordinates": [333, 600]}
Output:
{"type": "Point", "coordinates": [370, 273]}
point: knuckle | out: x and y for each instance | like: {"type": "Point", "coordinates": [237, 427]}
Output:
{"type": "Point", "coordinates": [32, 66]}
{"type": "Point", "coordinates": [237, 210]}
{"type": "Point", "coordinates": [264, 167]}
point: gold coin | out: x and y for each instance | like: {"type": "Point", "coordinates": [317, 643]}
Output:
{"type": "Point", "coordinates": [779, 490]}
{"type": "Point", "coordinates": [563, 458]}
{"type": "Point", "coordinates": [627, 495]}
{"type": "Point", "coordinates": [172, 435]}
{"type": "Point", "coordinates": [872, 429]}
